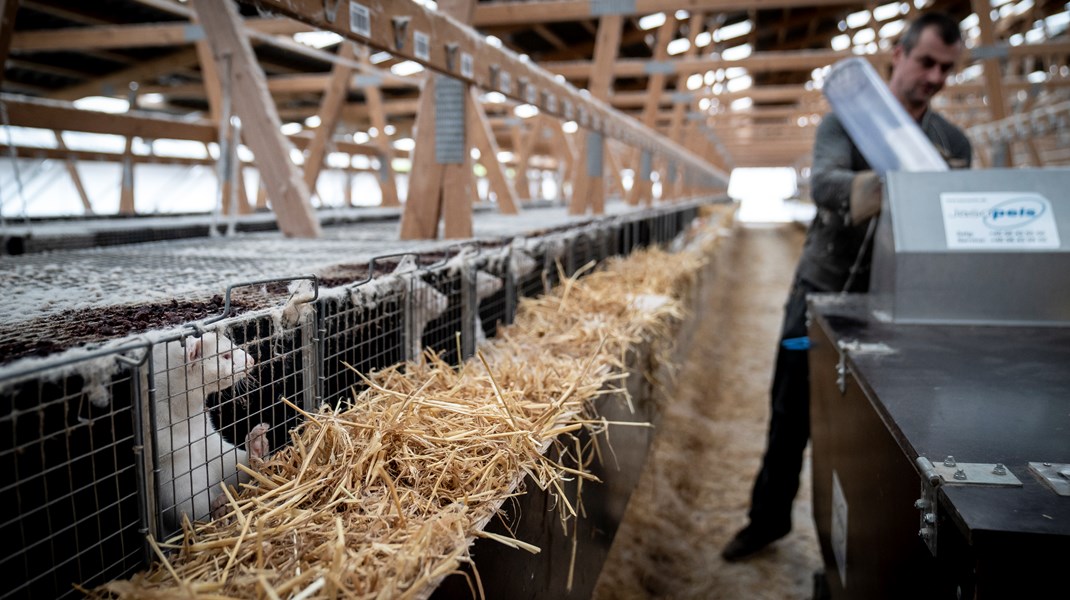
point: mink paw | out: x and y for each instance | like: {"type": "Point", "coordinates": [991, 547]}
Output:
{"type": "Point", "coordinates": [256, 443]}
{"type": "Point", "coordinates": [220, 507]}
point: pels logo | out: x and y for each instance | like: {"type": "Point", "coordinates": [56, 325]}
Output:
{"type": "Point", "coordinates": [1014, 213]}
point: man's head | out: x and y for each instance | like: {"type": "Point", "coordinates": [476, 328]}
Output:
{"type": "Point", "coordinates": [922, 60]}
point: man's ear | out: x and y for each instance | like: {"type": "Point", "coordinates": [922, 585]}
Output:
{"type": "Point", "coordinates": [897, 54]}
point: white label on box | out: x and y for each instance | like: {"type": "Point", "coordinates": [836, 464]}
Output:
{"type": "Point", "coordinates": [839, 528]}
{"type": "Point", "coordinates": [998, 221]}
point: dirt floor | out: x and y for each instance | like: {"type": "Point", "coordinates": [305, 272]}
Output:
{"type": "Point", "coordinates": [695, 489]}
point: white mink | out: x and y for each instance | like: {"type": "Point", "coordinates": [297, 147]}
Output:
{"type": "Point", "coordinates": [192, 457]}
{"type": "Point", "coordinates": [429, 305]}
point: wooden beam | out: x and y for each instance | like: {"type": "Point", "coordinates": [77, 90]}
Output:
{"type": "Point", "coordinates": [212, 87]}
{"type": "Point", "coordinates": [8, 8]}
{"type": "Point", "coordinates": [795, 60]}
{"type": "Point", "coordinates": [72, 170]}
{"type": "Point", "coordinates": [491, 67]}
{"type": "Point", "coordinates": [545, 33]}
{"type": "Point", "coordinates": [507, 12]}
{"type": "Point", "coordinates": [766, 61]}
{"type": "Point", "coordinates": [49, 114]}
{"type": "Point", "coordinates": [334, 98]}
{"type": "Point", "coordinates": [485, 141]}
{"type": "Point", "coordinates": [126, 184]}
{"type": "Point", "coordinates": [110, 85]}
{"type": "Point", "coordinates": [443, 189]}
{"type": "Point", "coordinates": [587, 186]}
{"type": "Point", "coordinates": [641, 184]}
{"type": "Point", "coordinates": [136, 36]}
{"type": "Point", "coordinates": [522, 146]}
{"type": "Point", "coordinates": [680, 105]}
{"type": "Point", "coordinates": [422, 210]}
{"type": "Point", "coordinates": [64, 153]}
{"type": "Point", "coordinates": [373, 99]}
{"type": "Point", "coordinates": [261, 124]}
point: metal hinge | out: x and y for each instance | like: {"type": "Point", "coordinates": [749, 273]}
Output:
{"type": "Point", "coordinates": [1055, 475]}
{"type": "Point", "coordinates": [856, 347]}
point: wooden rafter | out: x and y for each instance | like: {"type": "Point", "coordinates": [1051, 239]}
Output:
{"type": "Point", "coordinates": [290, 195]}
{"type": "Point", "coordinates": [453, 40]}
{"type": "Point", "coordinates": [136, 36]}
{"type": "Point", "coordinates": [641, 183]}
{"type": "Point", "coordinates": [376, 114]}
{"type": "Point", "coordinates": [8, 8]}
{"type": "Point", "coordinates": [507, 12]}
{"type": "Point", "coordinates": [484, 140]}
{"type": "Point", "coordinates": [588, 179]}
{"type": "Point", "coordinates": [439, 190]}
{"type": "Point", "coordinates": [330, 110]}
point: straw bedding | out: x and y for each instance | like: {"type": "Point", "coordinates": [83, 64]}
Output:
{"type": "Point", "coordinates": [381, 497]}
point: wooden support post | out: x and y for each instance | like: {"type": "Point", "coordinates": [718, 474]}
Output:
{"type": "Point", "coordinates": [126, 193]}
{"type": "Point", "coordinates": [8, 8]}
{"type": "Point", "coordinates": [441, 180]}
{"type": "Point", "coordinates": [373, 97]}
{"type": "Point", "coordinates": [641, 187]}
{"type": "Point", "coordinates": [290, 199]}
{"type": "Point", "coordinates": [439, 188]}
{"type": "Point", "coordinates": [141, 71]}
{"type": "Point", "coordinates": [330, 108]}
{"type": "Point", "coordinates": [347, 183]}
{"type": "Point", "coordinates": [520, 160]}
{"type": "Point", "coordinates": [214, 91]}
{"type": "Point", "coordinates": [565, 154]}
{"type": "Point", "coordinates": [561, 145]}
{"type": "Point", "coordinates": [76, 179]}
{"type": "Point", "coordinates": [616, 171]}
{"type": "Point", "coordinates": [484, 140]}
{"type": "Point", "coordinates": [590, 195]}
{"type": "Point", "coordinates": [993, 78]}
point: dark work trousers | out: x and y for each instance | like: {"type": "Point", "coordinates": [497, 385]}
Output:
{"type": "Point", "coordinates": [789, 424]}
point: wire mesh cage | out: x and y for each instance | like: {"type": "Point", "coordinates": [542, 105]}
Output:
{"type": "Point", "coordinates": [363, 328]}
{"type": "Point", "coordinates": [495, 288]}
{"type": "Point", "coordinates": [70, 477]}
{"type": "Point", "coordinates": [217, 401]}
{"type": "Point", "coordinates": [106, 447]}
{"type": "Point", "coordinates": [535, 280]}
{"type": "Point", "coordinates": [581, 250]}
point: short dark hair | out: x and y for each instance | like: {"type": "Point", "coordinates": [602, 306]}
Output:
{"type": "Point", "coordinates": [946, 27]}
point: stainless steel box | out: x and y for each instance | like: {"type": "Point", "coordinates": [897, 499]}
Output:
{"type": "Point", "coordinates": [986, 246]}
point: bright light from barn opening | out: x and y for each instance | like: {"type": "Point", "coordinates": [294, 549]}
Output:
{"type": "Point", "coordinates": [762, 194]}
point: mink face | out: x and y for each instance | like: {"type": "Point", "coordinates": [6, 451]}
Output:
{"type": "Point", "coordinates": [192, 457]}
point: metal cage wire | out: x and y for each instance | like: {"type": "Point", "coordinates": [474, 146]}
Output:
{"type": "Point", "coordinates": [105, 448]}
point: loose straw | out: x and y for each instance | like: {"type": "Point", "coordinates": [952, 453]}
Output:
{"type": "Point", "coordinates": [382, 496]}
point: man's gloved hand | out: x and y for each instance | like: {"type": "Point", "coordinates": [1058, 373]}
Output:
{"type": "Point", "coordinates": [865, 200]}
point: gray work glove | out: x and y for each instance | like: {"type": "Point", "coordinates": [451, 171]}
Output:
{"type": "Point", "coordinates": [865, 200]}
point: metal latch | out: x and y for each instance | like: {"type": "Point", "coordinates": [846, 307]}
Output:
{"type": "Point", "coordinates": [956, 473]}
{"type": "Point", "coordinates": [1055, 475]}
{"type": "Point", "coordinates": [857, 347]}
{"type": "Point", "coordinates": [926, 503]}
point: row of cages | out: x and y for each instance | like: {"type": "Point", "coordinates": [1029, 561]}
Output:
{"type": "Point", "coordinates": [104, 448]}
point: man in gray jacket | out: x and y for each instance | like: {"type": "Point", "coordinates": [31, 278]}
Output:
{"type": "Point", "coordinates": [836, 258]}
